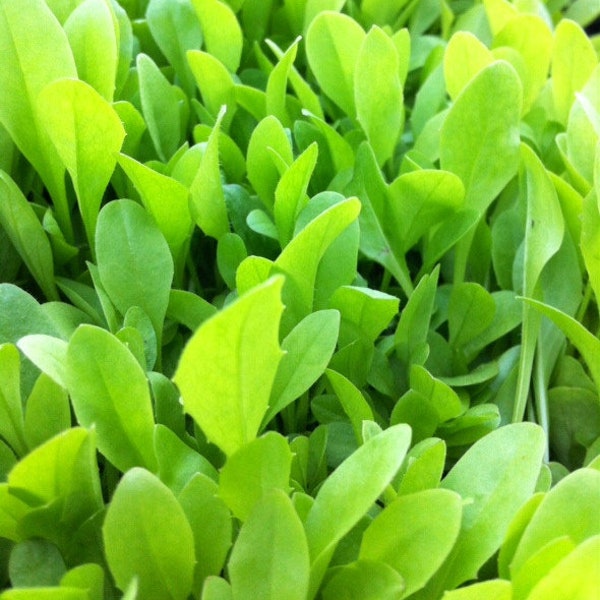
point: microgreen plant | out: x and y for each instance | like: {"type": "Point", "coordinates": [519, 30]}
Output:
{"type": "Point", "coordinates": [299, 299]}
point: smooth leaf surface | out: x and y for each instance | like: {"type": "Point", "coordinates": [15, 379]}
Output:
{"type": "Point", "coordinates": [226, 371]}
{"type": "Point", "coordinates": [147, 536]}
{"type": "Point", "coordinates": [110, 392]}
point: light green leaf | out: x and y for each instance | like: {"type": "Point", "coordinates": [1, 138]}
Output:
{"type": "Point", "coordinates": [268, 137]}
{"type": "Point", "coordinates": [571, 508]}
{"type": "Point", "coordinates": [364, 580]}
{"type": "Point", "coordinates": [496, 475]}
{"type": "Point", "coordinates": [160, 105]}
{"type": "Point", "coordinates": [146, 535]}
{"type": "Point", "coordinates": [252, 471]}
{"type": "Point", "coordinates": [470, 311]}
{"type": "Point", "coordinates": [465, 56]}
{"type": "Point", "coordinates": [405, 536]}
{"type": "Point", "coordinates": [88, 577]}
{"type": "Point", "coordinates": [290, 193]}
{"type": "Point", "coordinates": [573, 578]}
{"type": "Point", "coordinates": [207, 201]}
{"type": "Point", "coordinates": [378, 93]}
{"type": "Point", "coordinates": [270, 557]}
{"type": "Point", "coordinates": [227, 369]}
{"type": "Point", "coordinates": [590, 241]}
{"type": "Point", "coordinates": [211, 524]}
{"type": "Point", "coordinates": [176, 29]}
{"type": "Point", "coordinates": [27, 235]}
{"type": "Point", "coordinates": [134, 261]}
{"type": "Point", "coordinates": [87, 134]}
{"type": "Point", "coordinates": [110, 392]}
{"type": "Point", "coordinates": [276, 92]}
{"type": "Point", "coordinates": [494, 589]}
{"type": "Point", "coordinates": [530, 36]}
{"type": "Point", "coordinates": [333, 43]}
{"type": "Point", "coordinates": [350, 491]}
{"type": "Point", "coordinates": [573, 61]}
{"type": "Point", "coordinates": [482, 128]}
{"type": "Point", "coordinates": [222, 32]}
{"type": "Point", "coordinates": [93, 35]}
{"type": "Point", "coordinates": [308, 349]}
{"type": "Point", "coordinates": [11, 413]}
{"type": "Point", "coordinates": [32, 61]}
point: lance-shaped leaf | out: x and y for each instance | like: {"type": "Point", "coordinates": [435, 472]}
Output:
{"type": "Point", "coordinates": [93, 35]}
{"type": "Point", "coordinates": [176, 29]}
{"type": "Point", "coordinates": [87, 134]}
{"type": "Point", "coordinates": [110, 392]}
{"type": "Point", "coordinates": [207, 197]}
{"type": "Point", "coordinates": [276, 92]}
{"type": "Point", "coordinates": [27, 235]}
{"type": "Point", "coordinates": [134, 261]}
{"type": "Point", "coordinates": [333, 43]}
{"type": "Point", "coordinates": [11, 412]}
{"type": "Point", "coordinates": [227, 369]}
{"type": "Point", "coordinates": [35, 52]}
{"type": "Point", "coordinates": [465, 56]}
{"type": "Point", "coordinates": [300, 259]}
{"type": "Point", "coordinates": [270, 557]}
{"type": "Point", "coordinates": [497, 474]}
{"type": "Point", "coordinates": [544, 230]}
{"type": "Point", "coordinates": [349, 492]}
{"type": "Point", "coordinates": [308, 349]}
{"type": "Point", "coordinates": [147, 537]}
{"type": "Point", "coordinates": [222, 32]}
{"type": "Point", "coordinates": [378, 93]}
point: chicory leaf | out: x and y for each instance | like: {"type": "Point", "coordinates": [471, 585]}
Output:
{"type": "Point", "coordinates": [227, 369]}
{"type": "Point", "coordinates": [87, 134]}
{"type": "Point", "coordinates": [147, 536]}
{"type": "Point", "coordinates": [109, 391]}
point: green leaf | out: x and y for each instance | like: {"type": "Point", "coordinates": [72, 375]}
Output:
{"type": "Point", "coordinates": [262, 465]}
{"type": "Point", "coordinates": [173, 217]}
{"type": "Point", "coordinates": [364, 580]}
{"type": "Point", "coordinates": [88, 577]}
{"type": "Point", "coordinates": [405, 536]}
{"type": "Point", "coordinates": [276, 92]}
{"type": "Point", "coordinates": [11, 412]}
{"type": "Point", "coordinates": [134, 261]}
{"type": "Point", "coordinates": [216, 588]}
{"type": "Point", "coordinates": [590, 240]}
{"type": "Point", "coordinates": [222, 32]}
{"type": "Point", "coordinates": [45, 593]}
{"type": "Point", "coordinates": [110, 392]}
{"type": "Point", "coordinates": [268, 138]}
{"type": "Point", "coordinates": [211, 524]}
{"type": "Point", "coordinates": [160, 105]}
{"type": "Point", "coordinates": [497, 475]}
{"type": "Point", "coordinates": [470, 312]}
{"type": "Point", "coordinates": [189, 309]}
{"type": "Point", "coordinates": [378, 93]}
{"type": "Point", "coordinates": [482, 128]}
{"type": "Point", "coordinates": [424, 466]}
{"type": "Point", "coordinates": [93, 36]}
{"type": "Point", "coordinates": [176, 29]}
{"type": "Point", "coordinates": [270, 557]}
{"type": "Point", "coordinates": [531, 39]}
{"type": "Point", "coordinates": [33, 61]}
{"type": "Point", "coordinates": [333, 43]}
{"type": "Point", "coordinates": [146, 535]}
{"type": "Point", "coordinates": [308, 349]}
{"type": "Point", "coordinates": [290, 193]}
{"type": "Point", "coordinates": [35, 563]}
{"type": "Point", "coordinates": [177, 462]}
{"type": "Point", "coordinates": [573, 578]}
{"type": "Point", "coordinates": [465, 56]}
{"type": "Point", "coordinates": [440, 395]}
{"type": "Point", "coordinates": [494, 589]}
{"type": "Point", "coordinates": [571, 508]}
{"type": "Point", "coordinates": [231, 251]}
{"type": "Point", "coordinates": [300, 259]}
{"type": "Point", "coordinates": [207, 202]}
{"type": "Point", "coordinates": [87, 134]}
{"type": "Point", "coordinates": [352, 400]}
{"type": "Point", "coordinates": [573, 61]}
{"type": "Point", "coordinates": [27, 235]}
{"type": "Point", "coordinates": [350, 491]}
{"type": "Point", "coordinates": [48, 412]}
{"type": "Point", "coordinates": [227, 369]}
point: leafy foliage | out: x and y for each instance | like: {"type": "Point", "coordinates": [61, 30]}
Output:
{"type": "Point", "coordinates": [299, 299]}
